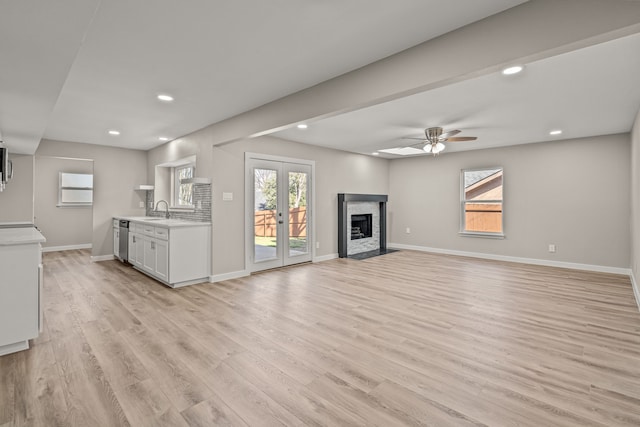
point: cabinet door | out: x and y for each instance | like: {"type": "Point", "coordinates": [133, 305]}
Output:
{"type": "Point", "coordinates": [149, 261]}
{"type": "Point", "coordinates": [132, 248]}
{"type": "Point", "coordinates": [162, 259]}
{"type": "Point", "coordinates": [40, 296]}
{"type": "Point", "coordinates": [116, 242]}
{"type": "Point", "coordinates": [139, 250]}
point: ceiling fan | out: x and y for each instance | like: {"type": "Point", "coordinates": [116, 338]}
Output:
{"type": "Point", "coordinates": [435, 138]}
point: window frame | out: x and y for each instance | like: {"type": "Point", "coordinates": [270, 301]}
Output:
{"type": "Point", "coordinates": [176, 186]}
{"type": "Point", "coordinates": [464, 201]}
{"type": "Point", "coordinates": [61, 188]}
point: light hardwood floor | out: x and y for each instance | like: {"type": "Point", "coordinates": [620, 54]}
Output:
{"type": "Point", "coordinates": [403, 339]}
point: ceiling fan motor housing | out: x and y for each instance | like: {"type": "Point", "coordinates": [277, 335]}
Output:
{"type": "Point", "coordinates": [433, 134]}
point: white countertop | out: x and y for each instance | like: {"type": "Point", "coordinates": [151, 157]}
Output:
{"type": "Point", "coordinates": [162, 222]}
{"type": "Point", "coordinates": [20, 236]}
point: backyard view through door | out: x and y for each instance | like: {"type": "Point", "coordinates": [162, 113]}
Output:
{"type": "Point", "coordinates": [281, 213]}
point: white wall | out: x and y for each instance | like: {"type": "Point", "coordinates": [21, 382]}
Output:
{"type": "Point", "coordinates": [572, 193]}
{"type": "Point", "coordinates": [16, 201]}
{"type": "Point", "coordinates": [116, 171]}
{"type": "Point", "coordinates": [69, 226]}
{"type": "Point", "coordinates": [635, 201]}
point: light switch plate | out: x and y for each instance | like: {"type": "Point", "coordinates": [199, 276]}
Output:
{"type": "Point", "coordinates": [227, 196]}
{"type": "Point", "coordinates": [141, 204]}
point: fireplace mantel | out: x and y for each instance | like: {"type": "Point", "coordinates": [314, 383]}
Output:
{"type": "Point", "coordinates": [343, 199]}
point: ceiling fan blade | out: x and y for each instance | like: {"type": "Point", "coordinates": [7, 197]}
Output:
{"type": "Point", "coordinates": [448, 134]}
{"type": "Point", "coordinates": [411, 137]}
{"type": "Point", "coordinates": [461, 138]}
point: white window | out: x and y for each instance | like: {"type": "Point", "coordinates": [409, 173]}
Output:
{"type": "Point", "coordinates": [183, 192]}
{"type": "Point", "coordinates": [75, 189]}
{"type": "Point", "coordinates": [481, 211]}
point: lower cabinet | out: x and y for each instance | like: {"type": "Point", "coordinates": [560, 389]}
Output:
{"type": "Point", "coordinates": [132, 249]}
{"type": "Point", "coordinates": [20, 295]}
{"type": "Point", "coordinates": [116, 241]}
{"type": "Point", "coordinates": [176, 256]}
{"type": "Point", "coordinates": [162, 259]}
{"type": "Point", "coordinates": [149, 258]}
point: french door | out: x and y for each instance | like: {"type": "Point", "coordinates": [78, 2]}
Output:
{"type": "Point", "coordinates": [278, 213]}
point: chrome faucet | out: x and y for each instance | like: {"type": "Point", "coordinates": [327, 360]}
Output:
{"type": "Point", "coordinates": [166, 211]}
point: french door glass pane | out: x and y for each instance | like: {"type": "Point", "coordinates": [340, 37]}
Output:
{"type": "Point", "coordinates": [265, 220]}
{"type": "Point", "coordinates": [298, 242]}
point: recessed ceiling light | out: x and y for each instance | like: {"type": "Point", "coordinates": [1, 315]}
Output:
{"type": "Point", "coordinates": [302, 126]}
{"type": "Point", "coordinates": [555, 132]}
{"type": "Point", "coordinates": [114, 132]}
{"type": "Point", "coordinates": [166, 98]}
{"type": "Point", "coordinates": [512, 70]}
{"type": "Point", "coordinates": [376, 153]}
{"type": "Point", "coordinates": [163, 138]}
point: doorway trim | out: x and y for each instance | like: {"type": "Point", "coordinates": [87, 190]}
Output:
{"type": "Point", "coordinates": [249, 214]}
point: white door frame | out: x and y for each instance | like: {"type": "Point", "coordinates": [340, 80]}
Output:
{"type": "Point", "coordinates": [248, 207]}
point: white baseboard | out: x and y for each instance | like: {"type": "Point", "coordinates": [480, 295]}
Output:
{"type": "Point", "coordinates": [102, 258]}
{"type": "Point", "coordinates": [636, 290]}
{"type": "Point", "coordinates": [67, 248]}
{"type": "Point", "coordinates": [228, 276]}
{"type": "Point", "coordinates": [534, 261]}
{"type": "Point", "coordinates": [325, 257]}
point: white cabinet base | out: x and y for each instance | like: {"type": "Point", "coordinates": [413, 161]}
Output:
{"type": "Point", "coordinates": [12, 348]}
{"type": "Point", "coordinates": [174, 256]}
{"type": "Point", "coordinates": [174, 285]}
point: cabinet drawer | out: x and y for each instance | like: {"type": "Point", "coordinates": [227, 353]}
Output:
{"type": "Point", "coordinates": [133, 227]}
{"type": "Point", "coordinates": [147, 229]}
{"type": "Point", "coordinates": [162, 233]}
{"type": "Point", "coordinates": [116, 224]}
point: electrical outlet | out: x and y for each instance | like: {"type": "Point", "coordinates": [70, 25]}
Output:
{"type": "Point", "coordinates": [408, 230]}
{"type": "Point", "coordinates": [552, 248]}
{"type": "Point", "coordinates": [141, 204]}
{"type": "Point", "coordinates": [317, 245]}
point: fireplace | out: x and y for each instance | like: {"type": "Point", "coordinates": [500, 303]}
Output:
{"type": "Point", "coordinates": [361, 226]}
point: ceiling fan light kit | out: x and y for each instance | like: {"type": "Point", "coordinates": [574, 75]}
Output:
{"type": "Point", "coordinates": [436, 137]}
{"type": "Point", "coordinates": [434, 148]}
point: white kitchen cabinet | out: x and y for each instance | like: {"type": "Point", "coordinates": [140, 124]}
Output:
{"type": "Point", "coordinates": [20, 288]}
{"type": "Point", "coordinates": [175, 255]}
{"type": "Point", "coordinates": [162, 259]}
{"type": "Point", "coordinates": [116, 242]}
{"type": "Point", "coordinates": [139, 251]}
{"type": "Point", "coordinates": [149, 257]}
{"type": "Point", "coordinates": [131, 246]}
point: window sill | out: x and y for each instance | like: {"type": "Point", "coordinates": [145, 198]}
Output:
{"type": "Point", "coordinates": [480, 234]}
{"type": "Point", "coordinates": [182, 209]}
{"type": "Point", "coordinates": [74, 205]}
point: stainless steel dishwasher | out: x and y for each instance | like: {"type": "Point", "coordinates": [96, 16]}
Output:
{"type": "Point", "coordinates": [123, 244]}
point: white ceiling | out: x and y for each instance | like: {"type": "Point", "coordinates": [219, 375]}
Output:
{"type": "Point", "coordinates": [588, 92]}
{"type": "Point", "coordinates": [73, 69]}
